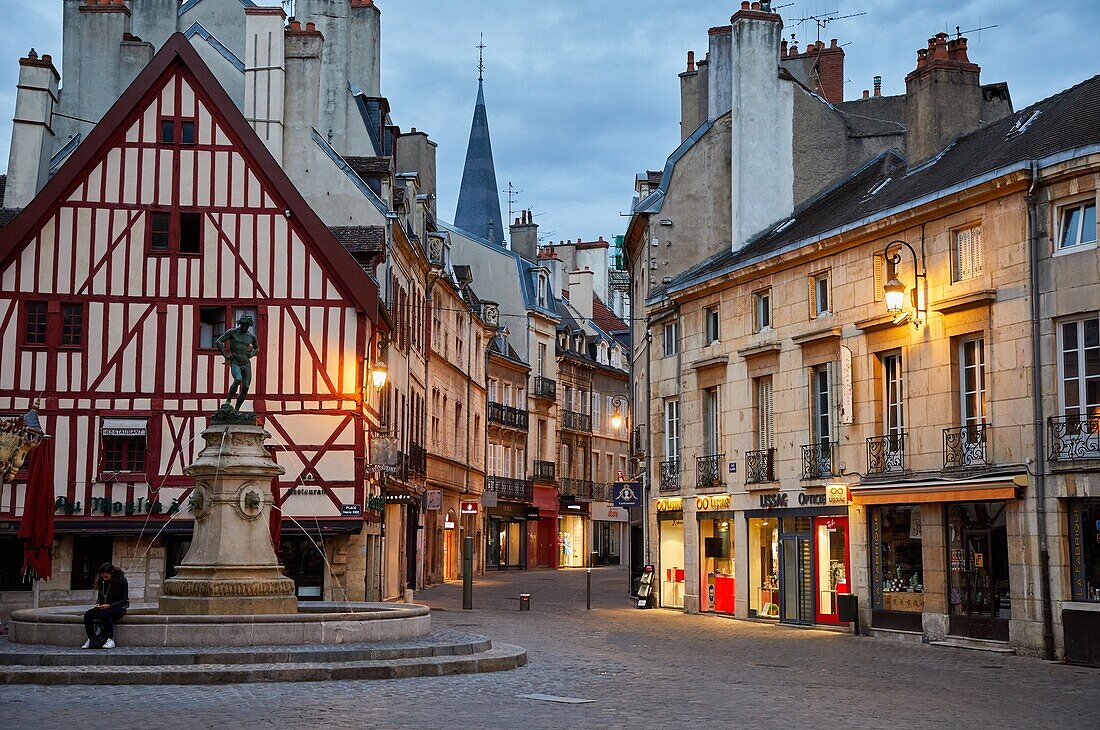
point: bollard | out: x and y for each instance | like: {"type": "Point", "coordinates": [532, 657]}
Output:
{"type": "Point", "coordinates": [467, 573]}
{"type": "Point", "coordinates": [524, 601]}
{"type": "Point", "coordinates": [588, 591]}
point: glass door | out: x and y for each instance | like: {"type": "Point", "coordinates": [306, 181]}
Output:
{"type": "Point", "coordinates": [796, 578]}
{"type": "Point", "coordinates": [831, 565]}
{"type": "Point", "coordinates": [979, 597]}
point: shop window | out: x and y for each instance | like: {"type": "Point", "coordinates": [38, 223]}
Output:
{"type": "Point", "coordinates": [979, 594]}
{"type": "Point", "coordinates": [304, 564]}
{"type": "Point", "coordinates": [11, 565]}
{"type": "Point", "coordinates": [672, 563]}
{"type": "Point", "coordinates": [1084, 532]}
{"type": "Point", "coordinates": [967, 254]}
{"type": "Point", "coordinates": [88, 554]}
{"type": "Point", "coordinates": [717, 576]}
{"type": "Point", "coordinates": [897, 565]}
{"type": "Point", "coordinates": [711, 323]}
{"type": "Point", "coordinates": [175, 550]}
{"type": "Point", "coordinates": [672, 338]}
{"type": "Point", "coordinates": [764, 567]}
{"type": "Point", "coordinates": [762, 310]}
{"type": "Point", "coordinates": [1077, 225]}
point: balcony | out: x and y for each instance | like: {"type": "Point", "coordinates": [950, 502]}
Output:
{"type": "Point", "coordinates": [508, 416]}
{"type": "Point", "coordinates": [1074, 437]}
{"type": "Point", "coordinates": [818, 460]}
{"type": "Point", "coordinates": [670, 476]}
{"type": "Point", "coordinates": [579, 488]}
{"type": "Point", "coordinates": [602, 492]}
{"type": "Point", "coordinates": [543, 471]}
{"type": "Point", "coordinates": [760, 466]}
{"type": "Point", "coordinates": [417, 459]}
{"type": "Point", "coordinates": [637, 441]}
{"type": "Point", "coordinates": [886, 454]}
{"type": "Point", "coordinates": [544, 388]}
{"type": "Point", "coordinates": [574, 421]}
{"type": "Point", "coordinates": [514, 490]}
{"type": "Point", "coordinates": [708, 471]}
{"type": "Point", "coordinates": [966, 446]}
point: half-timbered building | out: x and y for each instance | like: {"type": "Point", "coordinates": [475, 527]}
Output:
{"type": "Point", "coordinates": [169, 221]}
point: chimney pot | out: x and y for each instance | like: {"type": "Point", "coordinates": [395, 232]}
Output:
{"type": "Point", "coordinates": [783, 49]}
{"type": "Point", "coordinates": [295, 26]}
{"type": "Point", "coordinates": [745, 5]}
{"type": "Point", "coordinates": [833, 43]}
{"type": "Point", "coordinates": [866, 94]}
{"type": "Point", "coordinates": [311, 27]}
{"type": "Point", "coordinates": [691, 61]}
{"type": "Point", "coordinates": [878, 86]}
{"type": "Point", "coordinates": [794, 49]}
{"type": "Point", "coordinates": [755, 6]}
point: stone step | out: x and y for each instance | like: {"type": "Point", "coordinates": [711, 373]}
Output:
{"type": "Point", "coordinates": [441, 643]}
{"type": "Point", "coordinates": [500, 657]}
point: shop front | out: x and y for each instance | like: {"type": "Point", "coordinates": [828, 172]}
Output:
{"type": "Point", "coordinates": [545, 552]}
{"type": "Point", "coordinates": [609, 538]}
{"type": "Point", "coordinates": [716, 550]}
{"type": "Point", "coordinates": [507, 538]}
{"type": "Point", "coordinates": [1081, 615]}
{"type": "Point", "coordinates": [573, 534]}
{"type": "Point", "coordinates": [670, 537]}
{"type": "Point", "coordinates": [799, 558]}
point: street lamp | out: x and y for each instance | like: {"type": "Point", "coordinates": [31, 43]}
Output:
{"type": "Point", "coordinates": [378, 375]}
{"type": "Point", "coordinates": [894, 289]}
{"type": "Point", "coordinates": [617, 416]}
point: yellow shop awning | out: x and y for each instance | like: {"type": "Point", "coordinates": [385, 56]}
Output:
{"type": "Point", "coordinates": [939, 490]}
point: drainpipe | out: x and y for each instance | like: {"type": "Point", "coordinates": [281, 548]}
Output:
{"type": "Point", "coordinates": [1037, 408]}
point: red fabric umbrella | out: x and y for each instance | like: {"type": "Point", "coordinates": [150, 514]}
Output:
{"type": "Point", "coordinates": [36, 527]}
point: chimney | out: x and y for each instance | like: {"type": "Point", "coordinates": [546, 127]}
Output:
{"type": "Point", "coordinates": [416, 153]}
{"type": "Point", "coordinates": [93, 29]}
{"type": "Point", "coordinates": [719, 71]}
{"type": "Point", "coordinates": [155, 20]}
{"type": "Point", "coordinates": [693, 93]}
{"type": "Point", "coordinates": [762, 146]}
{"type": "Point", "coordinates": [878, 86]}
{"type": "Point", "coordinates": [364, 39]}
{"type": "Point", "coordinates": [302, 56]}
{"type": "Point", "coordinates": [943, 97]}
{"type": "Point", "coordinates": [524, 236]}
{"type": "Point", "coordinates": [580, 292]}
{"type": "Point", "coordinates": [265, 75]}
{"type": "Point", "coordinates": [332, 18]}
{"type": "Point", "coordinates": [820, 68]}
{"type": "Point", "coordinates": [31, 134]}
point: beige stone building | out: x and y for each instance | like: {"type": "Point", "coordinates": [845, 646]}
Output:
{"type": "Point", "coordinates": [809, 437]}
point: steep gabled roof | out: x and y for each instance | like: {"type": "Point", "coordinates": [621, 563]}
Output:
{"type": "Point", "coordinates": [177, 52]}
{"type": "Point", "coordinates": [604, 318]}
{"type": "Point", "coordinates": [479, 196]}
{"type": "Point", "coordinates": [1065, 124]}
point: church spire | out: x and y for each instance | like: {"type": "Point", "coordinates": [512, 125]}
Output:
{"type": "Point", "coordinates": [478, 198]}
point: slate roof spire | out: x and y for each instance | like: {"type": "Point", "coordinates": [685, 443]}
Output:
{"type": "Point", "coordinates": [478, 198]}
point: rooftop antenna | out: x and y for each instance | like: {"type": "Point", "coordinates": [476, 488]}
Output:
{"type": "Point", "coordinates": [978, 30]}
{"type": "Point", "coordinates": [824, 19]}
{"type": "Point", "coordinates": [513, 197]}
{"type": "Point", "coordinates": [481, 59]}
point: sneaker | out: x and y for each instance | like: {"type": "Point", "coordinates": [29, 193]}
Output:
{"type": "Point", "coordinates": [109, 644]}
{"type": "Point", "coordinates": [87, 644]}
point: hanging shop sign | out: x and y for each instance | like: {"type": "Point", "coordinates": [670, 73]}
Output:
{"type": "Point", "coordinates": [669, 504]}
{"type": "Point", "coordinates": [628, 494]}
{"type": "Point", "coordinates": [383, 454]}
{"type": "Point", "coordinates": [837, 494]}
{"type": "Point", "coordinates": [712, 503]}
{"type": "Point", "coordinates": [470, 507]}
{"type": "Point", "coordinates": [433, 499]}
{"type": "Point", "coordinates": [376, 503]}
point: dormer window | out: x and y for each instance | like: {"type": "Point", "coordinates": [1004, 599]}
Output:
{"type": "Point", "coordinates": [541, 288]}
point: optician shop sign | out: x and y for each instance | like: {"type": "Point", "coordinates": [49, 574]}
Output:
{"type": "Point", "coordinates": [712, 503]}
{"type": "Point", "coordinates": [669, 504]}
{"type": "Point", "coordinates": [834, 495]}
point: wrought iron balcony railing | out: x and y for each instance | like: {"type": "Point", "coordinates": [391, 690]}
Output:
{"type": "Point", "coordinates": [966, 446]}
{"type": "Point", "coordinates": [417, 459]}
{"type": "Point", "coordinates": [515, 490]}
{"type": "Point", "coordinates": [670, 476]}
{"type": "Point", "coordinates": [544, 388]}
{"type": "Point", "coordinates": [602, 492]}
{"type": "Point", "coordinates": [760, 466]}
{"type": "Point", "coordinates": [544, 471]}
{"type": "Point", "coordinates": [886, 454]}
{"type": "Point", "coordinates": [574, 421]}
{"type": "Point", "coordinates": [818, 460]}
{"type": "Point", "coordinates": [579, 488]}
{"type": "Point", "coordinates": [708, 471]}
{"type": "Point", "coordinates": [508, 416]}
{"type": "Point", "coordinates": [1074, 437]}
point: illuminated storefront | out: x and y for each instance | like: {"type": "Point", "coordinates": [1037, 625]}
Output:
{"type": "Point", "coordinates": [572, 542]}
{"type": "Point", "coordinates": [670, 569]}
{"type": "Point", "coordinates": [716, 551]}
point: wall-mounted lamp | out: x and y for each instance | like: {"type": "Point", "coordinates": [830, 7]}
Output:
{"type": "Point", "coordinates": [379, 373]}
{"type": "Point", "coordinates": [894, 289]}
{"type": "Point", "coordinates": [617, 415]}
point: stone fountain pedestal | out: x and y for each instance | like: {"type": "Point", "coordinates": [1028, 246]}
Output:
{"type": "Point", "coordinates": [231, 568]}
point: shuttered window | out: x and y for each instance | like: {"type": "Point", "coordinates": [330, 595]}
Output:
{"type": "Point", "coordinates": [672, 429]}
{"type": "Point", "coordinates": [879, 271]}
{"type": "Point", "coordinates": [969, 256]}
{"type": "Point", "coordinates": [765, 414]}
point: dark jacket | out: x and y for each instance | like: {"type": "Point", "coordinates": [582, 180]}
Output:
{"type": "Point", "coordinates": [114, 592]}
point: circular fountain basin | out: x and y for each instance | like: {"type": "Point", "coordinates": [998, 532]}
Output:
{"type": "Point", "coordinates": [316, 623]}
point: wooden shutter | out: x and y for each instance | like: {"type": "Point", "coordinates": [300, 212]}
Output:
{"type": "Point", "coordinates": [879, 266]}
{"type": "Point", "coordinates": [765, 409]}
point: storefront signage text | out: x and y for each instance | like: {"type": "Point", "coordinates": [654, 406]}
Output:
{"type": "Point", "coordinates": [433, 499]}
{"type": "Point", "coordinates": [777, 500]}
{"type": "Point", "coordinates": [837, 494]}
{"type": "Point", "coordinates": [712, 503]}
{"type": "Point", "coordinates": [470, 508]}
{"type": "Point", "coordinates": [104, 506]}
{"type": "Point", "coordinates": [669, 504]}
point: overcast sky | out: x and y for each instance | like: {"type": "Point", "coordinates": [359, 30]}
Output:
{"type": "Point", "coordinates": [583, 94]}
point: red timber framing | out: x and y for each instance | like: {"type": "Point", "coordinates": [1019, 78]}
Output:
{"type": "Point", "coordinates": [88, 238]}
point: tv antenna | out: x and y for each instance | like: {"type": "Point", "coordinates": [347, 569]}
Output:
{"type": "Point", "coordinates": [513, 197]}
{"type": "Point", "coordinates": [978, 30]}
{"type": "Point", "coordinates": [481, 58]}
{"type": "Point", "coordinates": [822, 21]}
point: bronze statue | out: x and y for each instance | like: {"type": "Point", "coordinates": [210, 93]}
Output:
{"type": "Point", "coordinates": [239, 346]}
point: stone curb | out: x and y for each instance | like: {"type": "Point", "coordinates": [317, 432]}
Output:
{"type": "Point", "coordinates": [501, 657]}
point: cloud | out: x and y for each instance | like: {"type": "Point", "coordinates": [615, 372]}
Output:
{"type": "Point", "coordinates": [584, 94]}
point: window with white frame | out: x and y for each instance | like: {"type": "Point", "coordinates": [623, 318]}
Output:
{"type": "Point", "coordinates": [672, 338]}
{"type": "Point", "coordinates": [819, 294]}
{"type": "Point", "coordinates": [972, 381]}
{"type": "Point", "coordinates": [672, 429]}
{"type": "Point", "coordinates": [493, 390]}
{"type": "Point", "coordinates": [762, 310]}
{"type": "Point", "coordinates": [1077, 225]}
{"type": "Point", "coordinates": [968, 254]}
{"type": "Point", "coordinates": [1079, 365]}
{"type": "Point", "coordinates": [821, 399]}
{"type": "Point", "coordinates": [711, 327]}
{"type": "Point", "coordinates": [710, 421]}
{"type": "Point", "coordinates": [893, 404]}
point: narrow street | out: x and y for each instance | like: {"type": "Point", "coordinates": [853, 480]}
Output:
{"type": "Point", "coordinates": [651, 668]}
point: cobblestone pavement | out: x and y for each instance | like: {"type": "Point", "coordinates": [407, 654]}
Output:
{"type": "Point", "coordinates": [642, 669]}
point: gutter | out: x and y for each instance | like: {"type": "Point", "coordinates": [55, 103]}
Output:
{"type": "Point", "coordinates": [1037, 410]}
